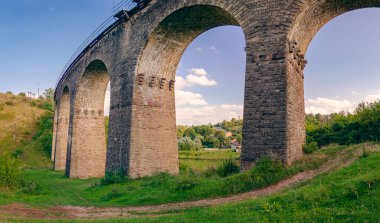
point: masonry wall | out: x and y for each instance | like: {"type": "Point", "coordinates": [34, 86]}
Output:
{"type": "Point", "coordinates": [142, 55]}
{"type": "Point", "coordinates": [62, 131]}
{"type": "Point", "coordinates": [88, 149]}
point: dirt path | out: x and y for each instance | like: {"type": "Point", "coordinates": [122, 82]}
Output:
{"type": "Point", "coordinates": [72, 212]}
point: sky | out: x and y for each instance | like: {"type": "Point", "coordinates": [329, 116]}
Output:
{"type": "Point", "coordinates": [37, 37]}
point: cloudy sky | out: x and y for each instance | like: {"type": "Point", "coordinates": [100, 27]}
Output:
{"type": "Point", "coordinates": [38, 36]}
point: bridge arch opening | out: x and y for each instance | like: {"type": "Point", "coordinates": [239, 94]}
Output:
{"type": "Point", "coordinates": [210, 94]}
{"type": "Point", "coordinates": [62, 131]}
{"type": "Point", "coordinates": [306, 27]}
{"type": "Point", "coordinates": [155, 148]}
{"type": "Point", "coordinates": [87, 156]}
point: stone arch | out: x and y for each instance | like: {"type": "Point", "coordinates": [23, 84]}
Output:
{"type": "Point", "coordinates": [62, 117]}
{"type": "Point", "coordinates": [154, 145]}
{"type": "Point", "coordinates": [313, 15]}
{"type": "Point", "coordinates": [88, 147]}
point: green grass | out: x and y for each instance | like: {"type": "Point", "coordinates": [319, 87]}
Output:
{"type": "Point", "coordinates": [55, 189]}
{"type": "Point", "coordinates": [351, 194]}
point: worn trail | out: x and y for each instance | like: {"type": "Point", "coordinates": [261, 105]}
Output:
{"type": "Point", "coordinates": [72, 212]}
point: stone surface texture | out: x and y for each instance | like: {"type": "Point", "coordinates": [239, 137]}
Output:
{"type": "Point", "coordinates": [140, 57]}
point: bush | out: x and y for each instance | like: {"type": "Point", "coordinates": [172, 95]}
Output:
{"type": "Point", "coordinates": [210, 172]}
{"type": "Point", "coordinates": [10, 103]}
{"type": "Point", "coordinates": [11, 174]}
{"type": "Point", "coordinates": [22, 94]}
{"type": "Point", "coordinates": [310, 147]}
{"type": "Point", "coordinates": [228, 168]}
{"type": "Point", "coordinates": [113, 178]}
{"type": "Point", "coordinates": [17, 153]}
{"type": "Point", "coordinates": [31, 187]}
{"type": "Point", "coordinates": [187, 181]}
{"type": "Point", "coordinates": [266, 172]}
{"type": "Point", "coordinates": [33, 103]}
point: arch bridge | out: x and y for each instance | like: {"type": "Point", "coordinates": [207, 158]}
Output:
{"type": "Point", "coordinates": [139, 54]}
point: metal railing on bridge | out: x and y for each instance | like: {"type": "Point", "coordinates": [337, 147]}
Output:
{"type": "Point", "coordinates": [121, 10]}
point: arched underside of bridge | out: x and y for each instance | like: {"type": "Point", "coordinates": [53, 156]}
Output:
{"type": "Point", "coordinates": [145, 57]}
{"type": "Point", "coordinates": [87, 155]}
{"type": "Point", "coordinates": [63, 115]}
{"type": "Point", "coordinates": [308, 22]}
{"type": "Point", "coordinates": [154, 146]}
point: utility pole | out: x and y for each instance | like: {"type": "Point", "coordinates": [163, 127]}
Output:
{"type": "Point", "coordinates": [38, 90]}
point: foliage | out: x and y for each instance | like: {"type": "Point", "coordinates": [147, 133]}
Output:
{"type": "Point", "coordinates": [310, 147]}
{"type": "Point", "coordinates": [186, 143]}
{"type": "Point", "coordinates": [10, 172]}
{"type": "Point", "coordinates": [228, 168]}
{"type": "Point", "coordinates": [49, 94]}
{"type": "Point", "coordinates": [345, 128]}
{"type": "Point", "coordinates": [45, 132]}
{"type": "Point", "coordinates": [22, 94]}
{"type": "Point", "coordinates": [113, 178]}
{"type": "Point", "coordinates": [208, 135]}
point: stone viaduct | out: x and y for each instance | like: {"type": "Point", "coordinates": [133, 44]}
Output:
{"type": "Point", "coordinates": [139, 56]}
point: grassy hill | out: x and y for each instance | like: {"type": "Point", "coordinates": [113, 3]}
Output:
{"type": "Point", "coordinates": [22, 132]}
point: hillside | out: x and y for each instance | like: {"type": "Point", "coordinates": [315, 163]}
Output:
{"type": "Point", "coordinates": [22, 134]}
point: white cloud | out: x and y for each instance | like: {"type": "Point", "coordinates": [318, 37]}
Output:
{"type": "Point", "coordinates": [207, 114]}
{"type": "Point", "coordinates": [197, 76]}
{"type": "Point", "coordinates": [199, 49]}
{"type": "Point", "coordinates": [327, 106]}
{"type": "Point", "coordinates": [373, 97]}
{"type": "Point", "coordinates": [189, 98]}
{"type": "Point", "coordinates": [354, 92]}
{"type": "Point", "coordinates": [200, 80]}
{"type": "Point", "coordinates": [199, 71]}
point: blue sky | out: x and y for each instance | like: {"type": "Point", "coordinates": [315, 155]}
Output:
{"type": "Point", "coordinates": [37, 37]}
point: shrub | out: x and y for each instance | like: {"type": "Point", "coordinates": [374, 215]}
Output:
{"type": "Point", "coordinates": [186, 181]}
{"type": "Point", "coordinates": [33, 103]}
{"type": "Point", "coordinates": [22, 94]}
{"type": "Point", "coordinates": [31, 187]}
{"type": "Point", "coordinates": [1, 107]}
{"type": "Point", "coordinates": [10, 103]}
{"type": "Point", "coordinates": [228, 168]}
{"type": "Point", "coordinates": [17, 153]}
{"type": "Point", "coordinates": [11, 174]}
{"type": "Point", "coordinates": [210, 171]}
{"type": "Point", "coordinates": [310, 147]}
{"type": "Point", "coordinates": [9, 92]}
{"type": "Point", "coordinates": [113, 178]}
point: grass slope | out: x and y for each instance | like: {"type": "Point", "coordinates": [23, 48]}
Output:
{"type": "Point", "coordinates": [55, 189]}
{"type": "Point", "coordinates": [18, 126]}
{"type": "Point", "coordinates": [351, 194]}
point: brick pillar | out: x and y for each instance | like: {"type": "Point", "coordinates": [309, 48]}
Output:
{"type": "Point", "coordinates": [62, 131]}
{"type": "Point", "coordinates": [273, 103]}
{"type": "Point", "coordinates": [88, 149]}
